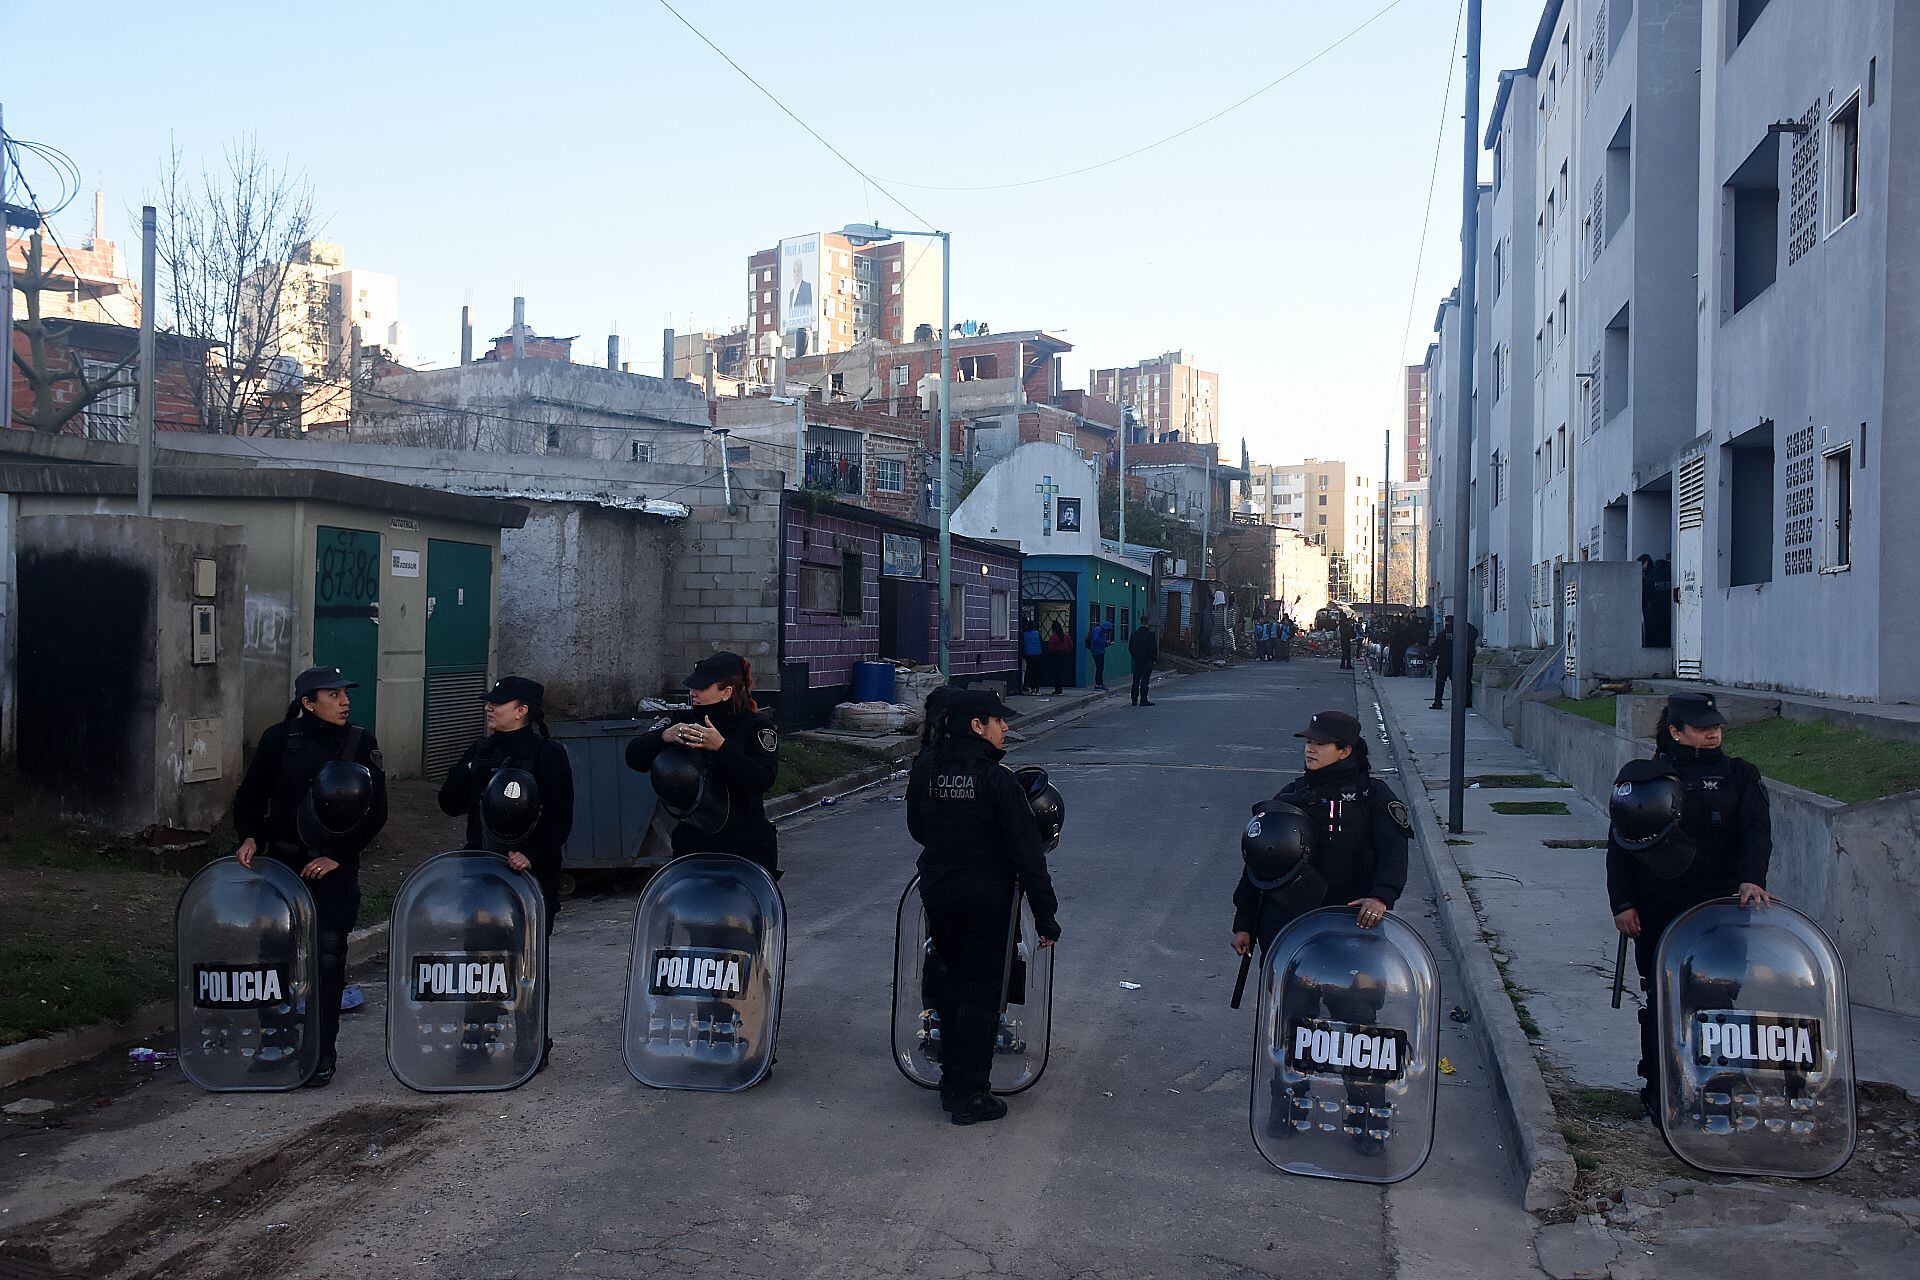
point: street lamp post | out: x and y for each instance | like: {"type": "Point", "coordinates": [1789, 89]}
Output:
{"type": "Point", "coordinates": [860, 233]}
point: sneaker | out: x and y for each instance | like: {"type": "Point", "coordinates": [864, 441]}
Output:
{"type": "Point", "coordinates": [322, 1075]}
{"type": "Point", "coordinates": [1145, 703]}
{"type": "Point", "coordinates": [978, 1108]}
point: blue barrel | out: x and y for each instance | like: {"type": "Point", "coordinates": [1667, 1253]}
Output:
{"type": "Point", "coordinates": [873, 682]}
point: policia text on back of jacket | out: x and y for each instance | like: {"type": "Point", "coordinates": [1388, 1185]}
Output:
{"type": "Point", "coordinates": [979, 842]}
{"type": "Point", "coordinates": [279, 813]}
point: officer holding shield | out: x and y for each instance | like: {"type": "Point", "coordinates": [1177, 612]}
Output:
{"type": "Point", "coordinates": [979, 841]}
{"type": "Point", "coordinates": [740, 748]}
{"type": "Point", "coordinates": [1716, 842]}
{"type": "Point", "coordinates": [1358, 826]}
{"type": "Point", "coordinates": [313, 797]}
{"type": "Point", "coordinates": [517, 738]}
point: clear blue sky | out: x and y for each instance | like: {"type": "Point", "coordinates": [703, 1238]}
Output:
{"type": "Point", "coordinates": [597, 158]}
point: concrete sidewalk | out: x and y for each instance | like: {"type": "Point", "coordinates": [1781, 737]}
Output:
{"type": "Point", "coordinates": [1539, 885]}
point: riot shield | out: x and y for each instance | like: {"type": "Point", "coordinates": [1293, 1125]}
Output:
{"type": "Point", "coordinates": [1026, 1011]}
{"type": "Point", "coordinates": [703, 986]}
{"type": "Point", "coordinates": [1756, 1047]}
{"type": "Point", "coordinates": [1346, 1049]}
{"type": "Point", "coordinates": [248, 970]}
{"type": "Point", "coordinates": [467, 976]}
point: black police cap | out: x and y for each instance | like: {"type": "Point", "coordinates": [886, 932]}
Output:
{"type": "Point", "coordinates": [1336, 727]}
{"type": "Point", "coordinates": [314, 679]}
{"type": "Point", "coordinates": [714, 668]}
{"type": "Point", "coordinates": [516, 689]}
{"type": "Point", "coordinates": [980, 704]}
{"type": "Point", "coordinates": [1697, 710]}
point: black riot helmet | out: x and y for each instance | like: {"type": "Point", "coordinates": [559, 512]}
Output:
{"type": "Point", "coordinates": [336, 802]}
{"type": "Point", "coordinates": [509, 807]}
{"type": "Point", "coordinates": [1048, 805]}
{"type": "Point", "coordinates": [1275, 844]}
{"type": "Point", "coordinates": [1644, 811]}
{"type": "Point", "coordinates": [688, 790]}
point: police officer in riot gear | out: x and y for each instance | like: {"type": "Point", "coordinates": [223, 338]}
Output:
{"type": "Point", "coordinates": [517, 738]}
{"type": "Point", "coordinates": [979, 841]}
{"type": "Point", "coordinates": [1721, 847]}
{"type": "Point", "coordinates": [1278, 881]}
{"type": "Point", "coordinates": [324, 842]}
{"type": "Point", "coordinates": [740, 748]}
{"type": "Point", "coordinates": [1359, 829]}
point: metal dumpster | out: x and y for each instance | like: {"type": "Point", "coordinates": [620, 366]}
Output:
{"type": "Point", "coordinates": [613, 806]}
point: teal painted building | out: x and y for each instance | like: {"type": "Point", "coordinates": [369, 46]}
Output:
{"type": "Point", "coordinates": [1078, 590]}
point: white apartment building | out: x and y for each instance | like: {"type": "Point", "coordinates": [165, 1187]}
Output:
{"type": "Point", "coordinates": [1725, 201]}
{"type": "Point", "coordinates": [1329, 503]}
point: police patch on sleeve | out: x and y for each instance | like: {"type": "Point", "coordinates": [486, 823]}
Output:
{"type": "Point", "coordinates": [768, 739]}
{"type": "Point", "coordinates": [379, 761]}
{"type": "Point", "coordinates": [1397, 810]}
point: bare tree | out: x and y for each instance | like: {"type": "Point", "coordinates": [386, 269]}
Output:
{"type": "Point", "coordinates": [230, 240]}
{"type": "Point", "coordinates": [48, 412]}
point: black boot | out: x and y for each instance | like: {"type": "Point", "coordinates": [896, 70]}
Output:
{"type": "Point", "coordinates": [323, 1074]}
{"type": "Point", "coordinates": [978, 1108]}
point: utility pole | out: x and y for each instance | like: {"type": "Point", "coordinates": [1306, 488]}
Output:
{"type": "Point", "coordinates": [1125, 427]}
{"type": "Point", "coordinates": [143, 486]}
{"type": "Point", "coordinates": [946, 487]}
{"type": "Point", "coordinates": [6, 286]}
{"type": "Point", "coordinates": [1461, 470]}
{"type": "Point", "coordinates": [1386, 519]}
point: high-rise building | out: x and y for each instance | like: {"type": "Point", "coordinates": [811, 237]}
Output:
{"type": "Point", "coordinates": [1327, 502]}
{"type": "Point", "coordinates": [1416, 425]}
{"type": "Point", "coordinates": [820, 293]}
{"type": "Point", "coordinates": [1173, 399]}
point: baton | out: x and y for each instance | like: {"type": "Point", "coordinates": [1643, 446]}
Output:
{"type": "Point", "coordinates": [1240, 983]}
{"type": "Point", "coordinates": [1619, 970]}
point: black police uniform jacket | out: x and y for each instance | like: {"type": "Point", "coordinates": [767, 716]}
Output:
{"type": "Point", "coordinates": [526, 748]}
{"type": "Point", "coordinates": [745, 765]}
{"type": "Point", "coordinates": [1725, 812]}
{"type": "Point", "coordinates": [1360, 832]}
{"type": "Point", "coordinates": [975, 828]}
{"type": "Point", "coordinates": [268, 798]}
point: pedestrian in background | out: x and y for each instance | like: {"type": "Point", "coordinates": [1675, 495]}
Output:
{"type": "Point", "coordinates": [1033, 654]}
{"type": "Point", "coordinates": [1099, 637]}
{"type": "Point", "coordinates": [1346, 642]}
{"type": "Point", "coordinates": [1144, 648]}
{"type": "Point", "coordinates": [1059, 656]}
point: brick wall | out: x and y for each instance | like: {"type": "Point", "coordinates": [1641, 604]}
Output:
{"type": "Point", "coordinates": [828, 642]}
{"type": "Point", "coordinates": [173, 390]}
{"type": "Point", "coordinates": [976, 651]}
{"type": "Point", "coordinates": [723, 591]}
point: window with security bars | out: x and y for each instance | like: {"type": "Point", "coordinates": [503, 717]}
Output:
{"type": "Point", "coordinates": [109, 416]}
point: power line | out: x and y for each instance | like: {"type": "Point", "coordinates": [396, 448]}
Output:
{"type": "Point", "coordinates": [1171, 137]}
{"type": "Point", "coordinates": [791, 115]}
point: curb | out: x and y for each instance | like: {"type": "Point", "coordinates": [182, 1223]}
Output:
{"type": "Point", "coordinates": [36, 1057]}
{"type": "Point", "coordinates": [1546, 1167]}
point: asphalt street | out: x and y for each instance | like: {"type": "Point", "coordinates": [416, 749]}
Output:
{"type": "Point", "coordinates": [1131, 1158]}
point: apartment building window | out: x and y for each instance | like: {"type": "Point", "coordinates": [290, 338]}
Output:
{"type": "Point", "coordinates": [1499, 478]}
{"type": "Point", "coordinates": [1560, 448]}
{"type": "Point", "coordinates": [896, 268]}
{"type": "Point", "coordinates": [1323, 499]}
{"type": "Point", "coordinates": [1620, 12]}
{"type": "Point", "coordinates": [889, 475]}
{"type": "Point", "coordinates": [1499, 162]}
{"type": "Point", "coordinates": [639, 451]}
{"type": "Point", "coordinates": [1837, 552]}
{"type": "Point", "coordinates": [1843, 161]}
{"type": "Point", "coordinates": [1563, 188]}
{"type": "Point", "coordinates": [1499, 372]}
{"type": "Point", "coordinates": [1616, 385]}
{"type": "Point", "coordinates": [1744, 14]}
{"type": "Point", "coordinates": [1323, 520]}
{"type": "Point", "coordinates": [1499, 267]}
{"type": "Point", "coordinates": [1553, 89]}
{"type": "Point", "coordinates": [1748, 465]}
{"type": "Point", "coordinates": [1539, 237]}
{"type": "Point", "coordinates": [1553, 220]}
{"type": "Point", "coordinates": [1562, 313]}
{"type": "Point", "coordinates": [1750, 225]}
{"type": "Point", "coordinates": [1619, 180]}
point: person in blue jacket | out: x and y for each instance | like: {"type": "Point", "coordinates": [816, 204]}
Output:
{"type": "Point", "coordinates": [1099, 636]}
{"type": "Point", "coordinates": [1031, 652]}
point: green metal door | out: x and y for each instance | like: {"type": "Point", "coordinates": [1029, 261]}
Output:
{"type": "Point", "coordinates": [459, 623]}
{"type": "Point", "coordinates": [346, 612]}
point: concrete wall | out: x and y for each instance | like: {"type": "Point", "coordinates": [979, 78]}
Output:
{"type": "Point", "coordinates": [113, 711]}
{"type": "Point", "coordinates": [1605, 635]}
{"type": "Point", "coordinates": [1854, 868]}
{"type": "Point", "coordinates": [583, 606]}
{"type": "Point", "coordinates": [723, 591]}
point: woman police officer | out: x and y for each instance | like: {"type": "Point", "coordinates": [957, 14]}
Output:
{"type": "Point", "coordinates": [267, 816]}
{"type": "Point", "coordinates": [517, 738]}
{"type": "Point", "coordinates": [743, 753]}
{"type": "Point", "coordinates": [1360, 830]}
{"type": "Point", "coordinates": [978, 840]}
{"type": "Point", "coordinates": [1723, 816]}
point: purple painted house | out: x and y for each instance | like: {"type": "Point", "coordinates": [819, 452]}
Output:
{"type": "Point", "coordinates": [858, 586]}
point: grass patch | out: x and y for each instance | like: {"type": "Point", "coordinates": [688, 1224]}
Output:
{"type": "Point", "coordinates": [1828, 759]}
{"type": "Point", "coordinates": [1600, 710]}
{"type": "Point", "coordinates": [1590, 1102]}
{"type": "Point", "coordinates": [1548, 808]}
{"type": "Point", "coordinates": [805, 763]}
{"type": "Point", "coordinates": [1574, 844]}
{"type": "Point", "coordinates": [87, 928]}
{"type": "Point", "coordinates": [1457, 841]}
{"type": "Point", "coordinates": [1517, 780]}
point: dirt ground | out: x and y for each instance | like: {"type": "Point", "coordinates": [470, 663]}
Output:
{"type": "Point", "coordinates": [1616, 1147]}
